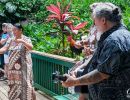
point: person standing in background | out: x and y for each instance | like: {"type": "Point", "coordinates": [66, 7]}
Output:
{"type": "Point", "coordinates": [20, 75]}
{"type": "Point", "coordinates": [5, 37]}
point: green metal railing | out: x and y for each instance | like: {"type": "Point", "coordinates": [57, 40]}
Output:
{"type": "Point", "coordinates": [43, 66]}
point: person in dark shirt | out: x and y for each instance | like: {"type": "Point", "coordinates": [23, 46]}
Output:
{"type": "Point", "coordinates": [108, 73]}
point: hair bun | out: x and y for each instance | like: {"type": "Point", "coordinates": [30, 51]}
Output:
{"type": "Point", "coordinates": [116, 11]}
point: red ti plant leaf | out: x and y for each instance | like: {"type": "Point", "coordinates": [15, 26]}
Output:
{"type": "Point", "coordinates": [79, 26]}
{"type": "Point", "coordinates": [54, 9]}
{"type": "Point", "coordinates": [65, 17]}
{"type": "Point", "coordinates": [68, 23]}
{"type": "Point", "coordinates": [53, 16]}
{"type": "Point", "coordinates": [75, 29]}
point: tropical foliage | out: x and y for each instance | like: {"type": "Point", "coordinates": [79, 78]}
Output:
{"type": "Point", "coordinates": [64, 20]}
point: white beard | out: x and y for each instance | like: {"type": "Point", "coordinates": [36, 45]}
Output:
{"type": "Point", "coordinates": [98, 35]}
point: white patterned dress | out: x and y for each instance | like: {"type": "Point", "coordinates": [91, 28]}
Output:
{"type": "Point", "coordinates": [20, 71]}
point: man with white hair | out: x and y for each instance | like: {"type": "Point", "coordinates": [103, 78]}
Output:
{"type": "Point", "coordinates": [108, 73]}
